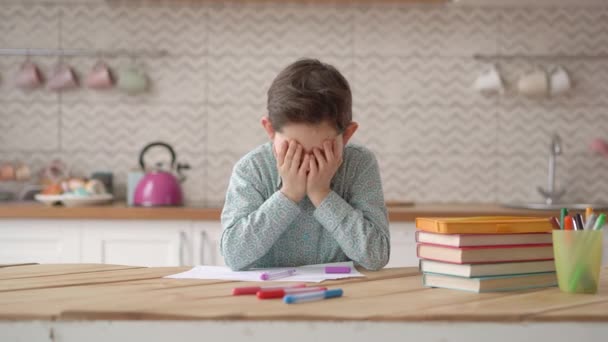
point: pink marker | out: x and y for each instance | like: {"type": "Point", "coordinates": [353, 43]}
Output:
{"type": "Point", "coordinates": [277, 274]}
{"type": "Point", "coordinates": [337, 269]}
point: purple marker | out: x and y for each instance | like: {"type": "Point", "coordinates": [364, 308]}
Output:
{"type": "Point", "coordinates": [337, 269]}
{"type": "Point", "coordinates": [277, 274]}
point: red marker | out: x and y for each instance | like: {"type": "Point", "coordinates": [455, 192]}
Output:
{"type": "Point", "coordinates": [280, 293]}
{"type": "Point", "coordinates": [251, 290]}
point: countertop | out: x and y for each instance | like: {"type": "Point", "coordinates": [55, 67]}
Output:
{"type": "Point", "coordinates": [86, 292]}
{"type": "Point", "coordinates": [119, 211]}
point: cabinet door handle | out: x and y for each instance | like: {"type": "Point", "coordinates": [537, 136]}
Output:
{"type": "Point", "coordinates": [182, 241]}
{"type": "Point", "coordinates": [202, 247]}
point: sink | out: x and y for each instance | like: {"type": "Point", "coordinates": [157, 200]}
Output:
{"type": "Point", "coordinates": [556, 206]}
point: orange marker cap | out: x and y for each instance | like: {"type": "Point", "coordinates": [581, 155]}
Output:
{"type": "Point", "coordinates": [588, 213]}
{"type": "Point", "coordinates": [568, 224]}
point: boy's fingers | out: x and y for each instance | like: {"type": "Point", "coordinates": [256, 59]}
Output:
{"type": "Point", "coordinates": [290, 152]}
{"type": "Point", "coordinates": [305, 165]}
{"type": "Point", "coordinates": [319, 156]}
{"type": "Point", "coordinates": [295, 164]}
{"type": "Point", "coordinates": [281, 153]}
{"type": "Point", "coordinates": [329, 151]}
{"type": "Point", "coordinates": [312, 167]}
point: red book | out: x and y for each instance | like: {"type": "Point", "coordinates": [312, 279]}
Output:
{"type": "Point", "coordinates": [485, 254]}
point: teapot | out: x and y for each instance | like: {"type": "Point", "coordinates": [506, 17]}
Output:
{"type": "Point", "coordinates": [160, 187]}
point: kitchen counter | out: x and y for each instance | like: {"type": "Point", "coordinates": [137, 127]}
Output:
{"type": "Point", "coordinates": [80, 296]}
{"type": "Point", "coordinates": [119, 211]}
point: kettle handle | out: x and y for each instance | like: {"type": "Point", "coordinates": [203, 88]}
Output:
{"type": "Point", "coordinates": [158, 143]}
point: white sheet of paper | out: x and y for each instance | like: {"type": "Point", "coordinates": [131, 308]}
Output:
{"type": "Point", "coordinates": [309, 273]}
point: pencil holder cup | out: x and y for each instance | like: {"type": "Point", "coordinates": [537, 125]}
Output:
{"type": "Point", "coordinates": [578, 259]}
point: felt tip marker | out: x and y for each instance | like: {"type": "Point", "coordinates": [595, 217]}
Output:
{"type": "Point", "coordinates": [588, 213]}
{"type": "Point", "coordinates": [312, 296]}
{"type": "Point", "coordinates": [277, 274]}
{"type": "Point", "coordinates": [590, 222]}
{"type": "Point", "coordinates": [555, 223]}
{"type": "Point", "coordinates": [579, 222]}
{"type": "Point", "coordinates": [252, 290]}
{"type": "Point", "coordinates": [280, 293]}
{"type": "Point", "coordinates": [599, 224]}
{"type": "Point", "coordinates": [568, 223]}
{"type": "Point", "coordinates": [562, 217]}
{"type": "Point", "coordinates": [337, 269]}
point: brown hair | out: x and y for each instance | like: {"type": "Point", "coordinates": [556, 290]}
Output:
{"type": "Point", "coordinates": [310, 92]}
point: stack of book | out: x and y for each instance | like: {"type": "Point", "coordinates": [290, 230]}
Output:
{"type": "Point", "coordinates": [485, 254]}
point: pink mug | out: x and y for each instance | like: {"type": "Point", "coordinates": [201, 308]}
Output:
{"type": "Point", "coordinates": [99, 77]}
{"type": "Point", "coordinates": [28, 76]}
{"type": "Point", "coordinates": [63, 78]}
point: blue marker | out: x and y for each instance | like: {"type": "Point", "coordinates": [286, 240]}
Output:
{"type": "Point", "coordinates": [312, 296]}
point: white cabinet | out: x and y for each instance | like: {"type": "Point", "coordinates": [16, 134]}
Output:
{"type": "Point", "coordinates": [138, 243]}
{"type": "Point", "coordinates": [206, 236]}
{"type": "Point", "coordinates": [39, 241]}
{"type": "Point", "coordinates": [403, 245]}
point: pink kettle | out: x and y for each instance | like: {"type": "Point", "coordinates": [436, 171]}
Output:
{"type": "Point", "coordinates": [158, 187]}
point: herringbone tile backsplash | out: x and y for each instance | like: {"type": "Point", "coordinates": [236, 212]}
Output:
{"type": "Point", "coordinates": [410, 68]}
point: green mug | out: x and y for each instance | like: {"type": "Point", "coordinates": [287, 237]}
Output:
{"type": "Point", "coordinates": [132, 81]}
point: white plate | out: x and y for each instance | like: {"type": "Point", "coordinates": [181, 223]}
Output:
{"type": "Point", "coordinates": [74, 200]}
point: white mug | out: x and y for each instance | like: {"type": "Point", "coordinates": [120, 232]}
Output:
{"type": "Point", "coordinates": [489, 82]}
{"type": "Point", "coordinates": [560, 81]}
{"type": "Point", "coordinates": [534, 84]}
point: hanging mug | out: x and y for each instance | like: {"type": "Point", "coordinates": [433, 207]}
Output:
{"type": "Point", "coordinates": [63, 78]}
{"type": "Point", "coordinates": [560, 81]}
{"type": "Point", "coordinates": [132, 80]}
{"type": "Point", "coordinates": [100, 77]}
{"type": "Point", "coordinates": [28, 77]}
{"type": "Point", "coordinates": [490, 82]}
{"type": "Point", "coordinates": [534, 84]}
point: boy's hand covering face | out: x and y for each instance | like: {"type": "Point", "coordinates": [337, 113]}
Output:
{"type": "Point", "coordinates": [292, 164]}
{"type": "Point", "coordinates": [322, 169]}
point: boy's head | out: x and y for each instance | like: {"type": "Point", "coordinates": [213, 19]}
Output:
{"type": "Point", "coordinates": [309, 102]}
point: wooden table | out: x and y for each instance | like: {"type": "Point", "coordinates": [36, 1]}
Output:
{"type": "Point", "coordinates": [92, 302]}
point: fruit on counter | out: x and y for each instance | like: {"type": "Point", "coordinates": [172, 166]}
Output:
{"type": "Point", "coordinates": [75, 186]}
{"type": "Point", "coordinates": [95, 186]}
{"type": "Point", "coordinates": [52, 189]}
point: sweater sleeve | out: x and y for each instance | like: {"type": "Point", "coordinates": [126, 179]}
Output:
{"type": "Point", "coordinates": [360, 226]}
{"type": "Point", "coordinates": [251, 223]}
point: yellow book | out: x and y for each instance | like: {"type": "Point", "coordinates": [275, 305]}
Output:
{"type": "Point", "coordinates": [484, 225]}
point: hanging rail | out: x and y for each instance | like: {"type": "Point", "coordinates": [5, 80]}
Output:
{"type": "Point", "coordinates": [83, 52]}
{"type": "Point", "coordinates": [491, 57]}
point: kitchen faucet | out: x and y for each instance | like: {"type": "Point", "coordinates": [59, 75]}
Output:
{"type": "Point", "coordinates": [551, 194]}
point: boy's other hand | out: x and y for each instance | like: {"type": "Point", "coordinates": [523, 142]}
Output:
{"type": "Point", "coordinates": [323, 167]}
{"type": "Point", "coordinates": [293, 165]}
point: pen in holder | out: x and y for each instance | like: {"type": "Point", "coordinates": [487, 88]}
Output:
{"type": "Point", "coordinates": [578, 259]}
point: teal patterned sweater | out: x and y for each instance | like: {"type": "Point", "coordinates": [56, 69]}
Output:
{"type": "Point", "coordinates": [263, 228]}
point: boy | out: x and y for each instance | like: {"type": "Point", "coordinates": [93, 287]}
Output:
{"type": "Point", "coordinates": [305, 198]}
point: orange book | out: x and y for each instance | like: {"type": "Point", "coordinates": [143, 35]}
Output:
{"type": "Point", "coordinates": [484, 225]}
